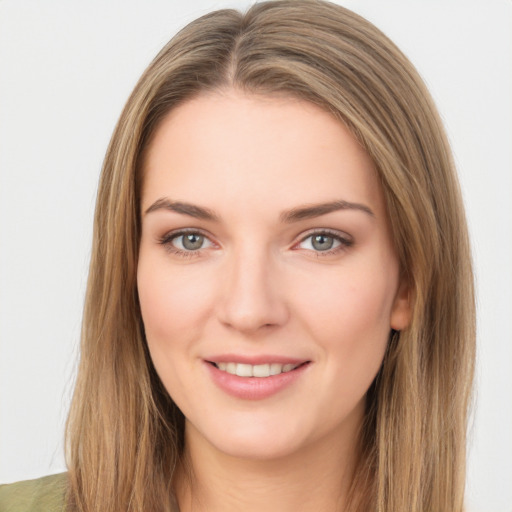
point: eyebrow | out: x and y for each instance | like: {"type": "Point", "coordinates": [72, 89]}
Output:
{"type": "Point", "coordinates": [289, 216]}
{"type": "Point", "coordinates": [316, 210]}
{"type": "Point", "coordinates": [191, 210]}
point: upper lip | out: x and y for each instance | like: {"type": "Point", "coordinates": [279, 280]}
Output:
{"type": "Point", "coordinates": [255, 359]}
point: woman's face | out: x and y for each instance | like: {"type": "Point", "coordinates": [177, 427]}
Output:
{"type": "Point", "coordinates": [267, 278]}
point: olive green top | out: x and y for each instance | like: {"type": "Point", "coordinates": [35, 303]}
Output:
{"type": "Point", "coordinates": [41, 495]}
{"type": "Point", "coordinates": [46, 494]}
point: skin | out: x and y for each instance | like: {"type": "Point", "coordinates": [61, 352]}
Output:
{"type": "Point", "coordinates": [257, 286]}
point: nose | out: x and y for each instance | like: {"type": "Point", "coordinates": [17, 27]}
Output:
{"type": "Point", "coordinates": [253, 298]}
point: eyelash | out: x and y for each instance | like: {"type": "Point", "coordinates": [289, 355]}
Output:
{"type": "Point", "coordinates": [167, 239]}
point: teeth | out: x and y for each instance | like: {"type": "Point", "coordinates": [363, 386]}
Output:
{"type": "Point", "coordinates": [244, 370]}
{"type": "Point", "coordinates": [261, 370]}
{"type": "Point", "coordinates": [276, 368]}
{"type": "Point", "coordinates": [258, 370]}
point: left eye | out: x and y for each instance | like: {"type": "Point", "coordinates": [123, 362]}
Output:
{"type": "Point", "coordinates": [190, 241]}
{"type": "Point", "coordinates": [321, 242]}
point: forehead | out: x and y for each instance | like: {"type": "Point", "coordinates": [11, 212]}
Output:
{"type": "Point", "coordinates": [242, 149]}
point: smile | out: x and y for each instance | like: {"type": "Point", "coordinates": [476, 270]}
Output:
{"type": "Point", "coordinates": [257, 370]}
{"type": "Point", "coordinates": [255, 381]}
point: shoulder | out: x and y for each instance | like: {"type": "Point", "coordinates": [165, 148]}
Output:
{"type": "Point", "coordinates": [40, 495]}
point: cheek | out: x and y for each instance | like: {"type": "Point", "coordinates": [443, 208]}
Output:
{"type": "Point", "coordinates": [172, 303]}
{"type": "Point", "coordinates": [173, 311]}
{"type": "Point", "coordinates": [349, 317]}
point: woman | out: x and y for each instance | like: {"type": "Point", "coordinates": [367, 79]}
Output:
{"type": "Point", "coordinates": [280, 306]}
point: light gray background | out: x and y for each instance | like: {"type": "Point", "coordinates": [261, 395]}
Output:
{"type": "Point", "coordinates": [66, 69]}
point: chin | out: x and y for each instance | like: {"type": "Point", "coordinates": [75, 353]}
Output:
{"type": "Point", "coordinates": [262, 449]}
{"type": "Point", "coordinates": [255, 441]}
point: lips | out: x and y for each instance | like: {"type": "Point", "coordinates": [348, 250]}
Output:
{"type": "Point", "coordinates": [255, 378]}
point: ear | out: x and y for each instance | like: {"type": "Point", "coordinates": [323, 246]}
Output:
{"type": "Point", "coordinates": [401, 311]}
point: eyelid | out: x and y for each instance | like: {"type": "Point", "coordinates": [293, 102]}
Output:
{"type": "Point", "coordinates": [342, 235]}
{"type": "Point", "coordinates": [184, 231]}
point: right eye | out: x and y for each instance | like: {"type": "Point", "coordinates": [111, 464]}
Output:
{"type": "Point", "coordinates": [185, 243]}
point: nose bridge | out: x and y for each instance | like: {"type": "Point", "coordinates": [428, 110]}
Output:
{"type": "Point", "coordinates": [251, 295]}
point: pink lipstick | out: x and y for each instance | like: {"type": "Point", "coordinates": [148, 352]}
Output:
{"type": "Point", "coordinates": [254, 378]}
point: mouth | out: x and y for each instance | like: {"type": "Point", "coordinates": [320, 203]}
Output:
{"type": "Point", "coordinates": [256, 377]}
{"type": "Point", "coordinates": [256, 370]}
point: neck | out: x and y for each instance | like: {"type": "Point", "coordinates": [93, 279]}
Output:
{"type": "Point", "coordinates": [316, 478]}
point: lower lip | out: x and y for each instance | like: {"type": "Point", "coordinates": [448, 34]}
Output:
{"type": "Point", "coordinates": [254, 388]}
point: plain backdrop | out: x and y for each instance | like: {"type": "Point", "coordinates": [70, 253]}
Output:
{"type": "Point", "coordinates": [66, 69]}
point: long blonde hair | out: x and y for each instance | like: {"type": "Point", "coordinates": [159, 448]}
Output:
{"type": "Point", "coordinates": [124, 433]}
